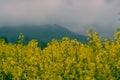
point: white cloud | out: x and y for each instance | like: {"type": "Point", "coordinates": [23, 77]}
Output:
{"type": "Point", "coordinates": [77, 15]}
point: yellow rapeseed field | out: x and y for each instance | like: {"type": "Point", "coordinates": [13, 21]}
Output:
{"type": "Point", "coordinates": [63, 59]}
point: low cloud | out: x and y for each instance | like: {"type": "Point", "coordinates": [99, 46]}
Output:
{"type": "Point", "coordinates": [77, 15]}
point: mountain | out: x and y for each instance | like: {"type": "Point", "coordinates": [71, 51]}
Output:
{"type": "Point", "coordinates": [43, 33]}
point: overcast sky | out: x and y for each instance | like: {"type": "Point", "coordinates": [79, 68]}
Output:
{"type": "Point", "coordinates": [77, 15]}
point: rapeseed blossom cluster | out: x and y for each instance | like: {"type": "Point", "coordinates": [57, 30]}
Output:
{"type": "Point", "coordinates": [63, 59]}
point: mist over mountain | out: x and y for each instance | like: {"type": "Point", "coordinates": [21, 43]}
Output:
{"type": "Point", "coordinates": [43, 33]}
{"type": "Point", "coordinates": [75, 15]}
